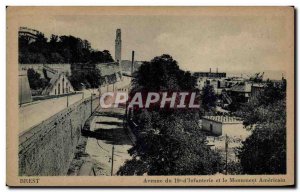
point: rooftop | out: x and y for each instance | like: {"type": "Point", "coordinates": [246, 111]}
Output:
{"type": "Point", "coordinates": [242, 87]}
{"type": "Point", "coordinates": [223, 119]}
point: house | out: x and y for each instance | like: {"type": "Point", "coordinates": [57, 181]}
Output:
{"type": "Point", "coordinates": [58, 85]}
{"type": "Point", "coordinates": [214, 79]}
{"type": "Point", "coordinates": [224, 125]}
{"type": "Point", "coordinates": [240, 92]}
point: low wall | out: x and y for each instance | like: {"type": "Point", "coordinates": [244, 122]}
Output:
{"type": "Point", "coordinates": [48, 148]}
{"type": "Point", "coordinates": [61, 67]}
{"type": "Point", "coordinates": [34, 113]}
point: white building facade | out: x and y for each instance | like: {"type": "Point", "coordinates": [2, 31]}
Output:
{"type": "Point", "coordinates": [59, 85]}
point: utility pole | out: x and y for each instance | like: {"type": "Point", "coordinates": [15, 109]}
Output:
{"type": "Point", "coordinates": [132, 63]}
{"type": "Point", "coordinates": [91, 103]}
{"type": "Point", "coordinates": [112, 160]}
{"type": "Point", "coordinates": [67, 100]}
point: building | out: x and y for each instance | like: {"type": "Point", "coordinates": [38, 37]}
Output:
{"type": "Point", "coordinates": [215, 79]}
{"type": "Point", "coordinates": [224, 125]}
{"type": "Point", "coordinates": [231, 81]}
{"type": "Point", "coordinates": [118, 46]}
{"type": "Point", "coordinates": [25, 95]}
{"type": "Point", "coordinates": [240, 92]}
{"type": "Point", "coordinates": [110, 72]}
{"type": "Point", "coordinates": [217, 84]}
{"type": "Point", "coordinates": [29, 34]}
{"type": "Point", "coordinates": [58, 85]}
{"type": "Point", "coordinates": [50, 68]}
{"type": "Point", "coordinates": [225, 134]}
{"type": "Point", "coordinates": [127, 65]}
{"type": "Point", "coordinates": [257, 89]}
{"type": "Point", "coordinates": [210, 74]}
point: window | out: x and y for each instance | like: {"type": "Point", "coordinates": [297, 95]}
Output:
{"type": "Point", "coordinates": [58, 88]}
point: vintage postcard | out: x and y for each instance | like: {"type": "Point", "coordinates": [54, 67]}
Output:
{"type": "Point", "coordinates": [150, 96]}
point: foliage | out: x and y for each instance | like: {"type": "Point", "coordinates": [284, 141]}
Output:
{"type": "Point", "coordinates": [208, 98]}
{"type": "Point", "coordinates": [63, 49]}
{"type": "Point", "coordinates": [35, 80]}
{"type": "Point", "coordinates": [163, 74]}
{"type": "Point", "coordinates": [273, 92]}
{"type": "Point", "coordinates": [92, 79]}
{"type": "Point", "coordinates": [168, 140]}
{"type": "Point", "coordinates": [264, 152]}
{"type": "Point", "coordinates": [235, 105]}
{"type": "Point", "coordinates": [170, 144]}
{"type": "Point", "coordinates": [258, 109]}
{"type": "Point", "coordinates": [60, 49]}
{"type": "Point", "coordinates": [234, 168]}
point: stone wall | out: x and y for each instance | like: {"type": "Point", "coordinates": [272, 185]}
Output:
{"type": "Point", "coordinates": [48, 148]}
{"type": "Point", "coordinates": [107, 69]}
{"type": "Point", "coordinates": [60, 67]}
{"type": "Point", "coordinates": [24, 89]}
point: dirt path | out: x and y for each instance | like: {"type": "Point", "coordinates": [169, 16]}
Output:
{"type": "Point", "coordinates": [106, 132]}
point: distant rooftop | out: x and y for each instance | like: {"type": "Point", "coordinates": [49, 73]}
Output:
{"type": "Point", "coordinates": [210, 74]}
{"type": "Point", "coordinates": [259, 85]}
{"type": "Point", "coordinates": [243, 87]}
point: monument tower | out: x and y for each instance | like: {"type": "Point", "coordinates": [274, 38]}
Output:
{"type": "Point", "coordinates": [118, 46]}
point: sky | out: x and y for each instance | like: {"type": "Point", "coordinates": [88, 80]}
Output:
{"type": "Point", "coordinates": [230, 43]}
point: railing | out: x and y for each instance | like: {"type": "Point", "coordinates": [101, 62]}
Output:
{"type": "Point", "coordinates": [33, 113]}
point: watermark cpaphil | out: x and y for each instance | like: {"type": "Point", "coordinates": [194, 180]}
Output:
{"type": "Point", "coordinates": [150, 100]}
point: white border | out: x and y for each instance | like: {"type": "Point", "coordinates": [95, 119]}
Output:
{"type": "Point", "coordinates": [5, 3]}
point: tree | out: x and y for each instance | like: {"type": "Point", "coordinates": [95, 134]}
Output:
{"type": "Point", "coordinates": [264, 151]}
{"type": "Point", "coordinates": [168, 140]}
{"type": "Point", "coordinates": [256, 110]}
{"type": "Point", "coordinates": [273, 92]}
{"type": "Point", "coordinates": [107, 56]}
{"type": "Point", "coordinates": [53, 39]}
{"type": "Point", "coordinates": [60, 49]}
{"type": "Point", "coordinates": [35, 80]}
{"type": "Point", "coordinates": [92, 79]}
{"type": "Point", "coordinates": [170, 144]}
{"type": "Point", "coordinates": [77, 79]}
{"type": "Point", "coordinates": [86, 44]}
{"type": "Point", "coordinates": [163, 74]}
{"type": "Point", "coordinates": [208, 98]}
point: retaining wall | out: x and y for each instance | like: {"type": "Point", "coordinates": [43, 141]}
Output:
{"type": "Point", "coordinates": [48, 148]}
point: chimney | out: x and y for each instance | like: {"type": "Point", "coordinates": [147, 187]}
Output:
{"type": "Point", "coordinates": [209, 70]}
{"type": "Point", "coordinates": [132, 62]}
{"type": "Point", "coordinates": [217, 69]}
